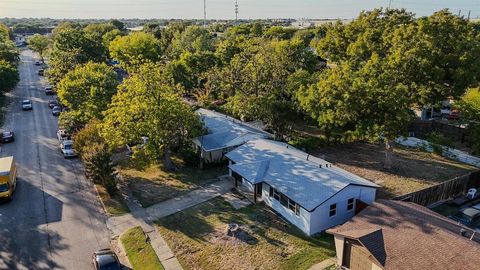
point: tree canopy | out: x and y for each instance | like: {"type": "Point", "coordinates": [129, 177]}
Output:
{"type": "Point", "coordinates": [87, 90]}
{"type": "Point", "coordinates": [39, 43]}
{"type": "Point", "coordinates": [148, 104]}
{"type": "Point", "coordinates": [135, 49]}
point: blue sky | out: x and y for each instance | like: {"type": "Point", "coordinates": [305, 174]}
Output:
{"type": "Point", "coordinates": [220, 9]}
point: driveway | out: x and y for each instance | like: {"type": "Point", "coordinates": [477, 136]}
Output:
{"type": "Point", "coordinates": [55, 220]}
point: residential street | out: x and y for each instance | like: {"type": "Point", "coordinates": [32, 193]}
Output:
{"type": "Point", "coordinates": [55, 220]}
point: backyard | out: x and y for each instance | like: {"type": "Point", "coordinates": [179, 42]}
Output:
{"type": "Point", "coordinates": [414, 169]}
{"type": "Point", "coordinates": [199, 240]}
{"type": "Point", "coordinates": [152, 184]}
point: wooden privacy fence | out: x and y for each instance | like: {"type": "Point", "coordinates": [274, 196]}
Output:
{"type": "Point", "coordinates": [443, 191]}
{"type": "Point", "coordinates": [421, 128]}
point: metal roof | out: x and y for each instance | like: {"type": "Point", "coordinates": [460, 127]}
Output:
{"type": "Point", "coordinates": [5, 165]}
{"type": "Point", "coordinates": [307, 180]}
{"type": "Point", "coordinates": [225, 131]}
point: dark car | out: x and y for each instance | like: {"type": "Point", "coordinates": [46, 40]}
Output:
{"type": "Point", "coordinates": [56, 110]}
{"type": "Point", "coordinates": [49, 91]}
{"type": "Point", "coordinates": [105, 259]}
{"type": "Point", "coordinates": [41, 72]}
{"type": "Point", "coordinates": [53, 103]}
{"type": "Point", "coordinates": [7, 136]}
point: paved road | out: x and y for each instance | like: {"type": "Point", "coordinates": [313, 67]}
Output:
{"type": "Point", "coordinates": [55, 220]}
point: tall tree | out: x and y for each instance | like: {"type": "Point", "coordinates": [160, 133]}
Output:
{"type": "Point", "coordinates": [88, 89]}
{"type": "Point", "coordinates": [39, 43]}
{"type": "Point", "coordinates": [148, 104]}
{"type": "Point", "coordinates": [8, 76]}
{"type": "Point", "coordinates": [135, 49]}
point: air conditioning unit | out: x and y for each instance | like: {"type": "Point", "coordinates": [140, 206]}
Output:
{"type": "Point", "coordinates": [472, 193]}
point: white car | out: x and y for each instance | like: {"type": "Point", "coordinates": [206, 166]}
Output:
{"type": "Point", "coordinates": [27, 105]}
{"type": "Point", "coordinates": [67, 149]}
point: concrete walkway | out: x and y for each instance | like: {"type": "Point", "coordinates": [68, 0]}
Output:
{"type": "Point", "coordinates": [324, 264]}
{"type": "Point", "coordinates": [145, 217]}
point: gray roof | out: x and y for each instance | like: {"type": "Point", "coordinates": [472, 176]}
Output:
{"type": "Point", "coordinates": [307, 180]}
{"type": "Point", "coordinates": [225, 131]}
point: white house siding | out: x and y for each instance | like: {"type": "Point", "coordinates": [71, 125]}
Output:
{"type": "Point", "coordinates": [320, 219]}
{"type": "Point", "coordinates": [301, 221]}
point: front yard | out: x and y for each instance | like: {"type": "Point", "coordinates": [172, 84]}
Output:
{"type": "Point", "coordinates": [414, 169]}
{"type": "Point", "coordinates": [199, 240]}
{"type": "Point", "coordinates": [153, 184]}
{"type": "Point", "coordinates": [139, 251]}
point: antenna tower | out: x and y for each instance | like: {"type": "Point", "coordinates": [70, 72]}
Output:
{"type": "Point", "coordinates": [236, 10]}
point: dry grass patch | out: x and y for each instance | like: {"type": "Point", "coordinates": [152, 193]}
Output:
{"type": "Point", "coordinates": [199, 240]}
{"type": "Point", "coordinates": [113, 204]}
{"type": "Point", "coordinates": [154, 184]}
{"type": "Point", "coordinates": [414, 169]}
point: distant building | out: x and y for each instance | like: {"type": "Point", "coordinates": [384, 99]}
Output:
{"type": "Point", "coordinates": [308, 191]}
{"type": "Point", "coordinates": [395, 235]}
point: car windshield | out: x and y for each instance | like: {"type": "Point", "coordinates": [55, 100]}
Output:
{"type": "Point", "coordinates": [6, 133]}
{"type": "Point", "coordinates": [67, 147]}
{"type": "Point", "coordinates": [3, 187]}
{"type": "Point", "coordinates": [26, 102]}
{"type": "Point", "coordinates": [108, 262]}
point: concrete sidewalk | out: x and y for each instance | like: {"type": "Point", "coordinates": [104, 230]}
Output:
{"type": "Point", "coordinates": [146, 216]}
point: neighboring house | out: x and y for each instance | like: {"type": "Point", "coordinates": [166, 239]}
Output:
{"type": "Point", "coordinates": [402, 235]}
{"type": "Point", "coordinates": [224, 134]}
{"type": "Point", "coordinates": [309, 192]}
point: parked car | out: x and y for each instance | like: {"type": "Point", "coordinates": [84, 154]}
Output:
{"type": "Point", "coordinates": [62, 135]}
{"type": "Point", "coordinates": [41, 72]}
{"type": "Point", "coordinates": [49, 91]}
{"type": "Point", "coordinates": [38, 63]}
{"type": "Point", "coordinates": [106, 259]}
{"type": "Point", "coordinates": [7, 136]}
{"type": "Point", "coordinates": [469, 217]}
{"type": "Point", "coordinates": [67, 149]}
{"type": "Point", "coordinates": [53, 103]}
{"type": "Point", "coordinates": [27, 105]}
{"type": "Point", "coordinates": [56, 110]}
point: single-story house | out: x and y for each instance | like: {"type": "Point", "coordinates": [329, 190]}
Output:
{"type": "Point", "coordinates": [403, 235]}
{"type": "Point", "coordinates": [224, 134]}
{"type": "Point", "coordinates": [308, 191]}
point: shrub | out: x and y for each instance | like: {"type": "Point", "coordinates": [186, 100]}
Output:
{"type": "Point", "coordinates": [438, 142]}
{"type": "Point", "coordinates": [306, 143]}
{"type": "Point", "coordinates": [98, 166]}
{"type": "Point", "coordinates": [87, 136]}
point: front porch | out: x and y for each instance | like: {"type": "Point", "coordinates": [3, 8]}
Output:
{"type": "Point", "coordinates": [253, 192]}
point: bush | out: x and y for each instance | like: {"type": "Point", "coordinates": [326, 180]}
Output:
{"type": "Point", "coordinates": [438, 142]}
{"type": "Point", "coordinates": [98, 166]}
{"type": "Point", "coordinates": [306, 143]}
{"type": "Point", "coordinates": [87, 136]}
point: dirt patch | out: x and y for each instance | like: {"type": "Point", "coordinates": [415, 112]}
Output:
{"type": "Point", "coordinates": [414, 169]}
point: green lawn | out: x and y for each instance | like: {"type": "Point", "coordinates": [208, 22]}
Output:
{"type": "Point", "coordinates": [153, 184]}
{"type": "Point", "coordinates": [140, 253]}
{"type": "Point", "coordinates": [198, 238]}
{"type": "Point", "coordinates": [114, 205]}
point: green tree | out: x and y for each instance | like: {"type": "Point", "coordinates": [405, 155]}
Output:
{"type": "Point", "coordinates": [147, 104]}
{"type": "Point", "coordinates": [135, 49]}
{"type": "Point", "coordinates": [8, 52]}
{"type": "Point", "coordinates": [72, 46]}
{"type": "Point", "coordinates": [193, 39]}
{"type": "Point", "coordinates": [39, 43]}
{"type": "Point", "coordinates": [469, 105]}
{"type": "Point", "coordinates": [88, 90]}
{"type": "Point", "coordinates": [8, 76]}
{"type": "Point", "coordinates": [97, 159]}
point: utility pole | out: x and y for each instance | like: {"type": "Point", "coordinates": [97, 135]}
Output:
{"type": "Point", "coordinates": [236, 10]}
{"type": "Point", "coordinates": [468, 17]}
{"type": "Point", "coordinates": [204, 13]}
{"type": "Point", "coordinates": [459, 12]}
{"type": "Point", "coordinates": [389, 4]}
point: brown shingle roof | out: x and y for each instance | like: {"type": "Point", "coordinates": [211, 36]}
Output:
{"type": "Point", "coordinates": [402, 235]}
